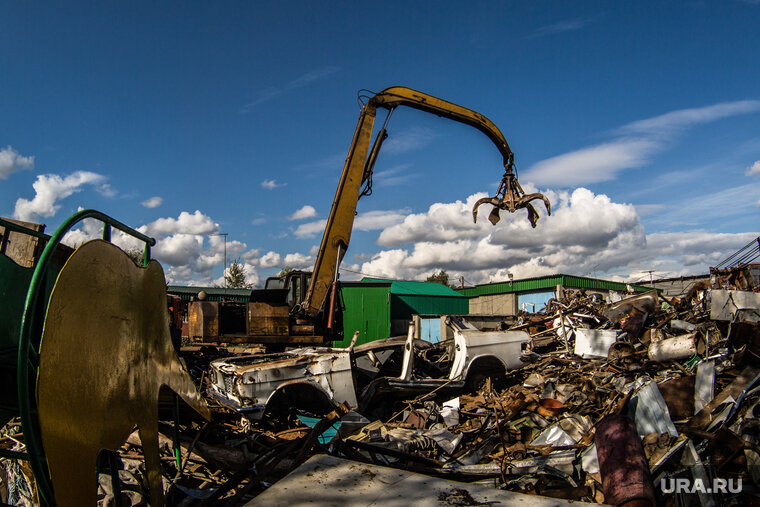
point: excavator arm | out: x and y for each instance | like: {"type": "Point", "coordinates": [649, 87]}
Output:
{"type": "Point", "coordinates": [358, 169]}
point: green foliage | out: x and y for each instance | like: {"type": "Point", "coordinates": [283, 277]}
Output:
{"type": "Point", "coordinates": [284, 271]}
{"type": "Point", "coordinates": [136, 256]}
{"type": "Point", "coordinates": [235, 276]}
{"type": "Point", "coordinates": [441, 277]}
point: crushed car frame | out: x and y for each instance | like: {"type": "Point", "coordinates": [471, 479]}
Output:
{"type": "Point", "coordinates": [373, 376]}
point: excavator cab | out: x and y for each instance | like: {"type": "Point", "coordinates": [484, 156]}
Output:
{"type": "Point", "coordinates": [289, 288]}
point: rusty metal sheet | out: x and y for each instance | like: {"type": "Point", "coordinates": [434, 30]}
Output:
{"type": "Point", "coordinates": [266, 319]}
{"type": "Point", "coordinates": [23, 249]}
{"type": "Point", "coordinates": [203, 318]}
{"type": "Point", "coordinates": [106, 351]}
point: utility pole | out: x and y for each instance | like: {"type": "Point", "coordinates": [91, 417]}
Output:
{"type": "Point", "coordinates": [651, 279]}
{"type": "Point", "coordinates": [224, 271]}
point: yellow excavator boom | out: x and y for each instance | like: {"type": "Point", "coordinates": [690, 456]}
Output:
{"type": "Point", "coordinates": [358, 168]}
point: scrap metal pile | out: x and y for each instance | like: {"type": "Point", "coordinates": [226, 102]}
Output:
{"type": "Point", "coordinates": [658, 381]}
{"type": "Point", "coordinates": [647, 398]}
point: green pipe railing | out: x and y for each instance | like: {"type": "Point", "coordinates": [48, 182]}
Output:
{"type": "Point", "coordinates": [20, 228]}
{"type": "Point", "coordinates": [30, 336]}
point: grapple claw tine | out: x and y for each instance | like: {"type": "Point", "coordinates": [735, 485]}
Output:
{"type": "Point", "coordinates": [532, 215]}
{"type": "Point", "coordinates": [494, 217]}
{"type": "Point", "coordinates": [531, 197]}
{"type": "Point", "coordinates": [484, 200]}
{"type": "Point", "coordinates": [511, 197]}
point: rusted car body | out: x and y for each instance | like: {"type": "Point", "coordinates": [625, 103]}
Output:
{"type": "Point", "coordinates": [373, 374]}
{"type": "Point", "coordinates": [248, 383]}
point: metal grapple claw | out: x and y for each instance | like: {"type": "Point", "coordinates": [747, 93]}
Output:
{"type": "Point", "coordinates": [511, 197]}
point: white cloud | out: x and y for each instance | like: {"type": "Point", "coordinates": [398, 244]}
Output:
{"type": "Point", "coordinates": [332, 162]}
{"type": "Point", "coordinates": [270, 260]}
{"type": "Point", "coordinates": [380, 219]}
{"type": "Point", "coordinates": [299, 82]}
{"type": "Point", "coordinates": [87, 230]}
{"type": "Point", "coordinates": [676, 120]}
{"type": "Point", "coordinates": [587, 233]}
{"type": "Point", "coordinates": [186, 223]}
{"type": "Point", "coordinates": [299, 261]}
{"type": "Point", "coordinates": [153, 202]}
{"type": "Point", "coordinates": [310, 229]}
{"type": "Point", "coordinates": [648, 209]}
{"type": "Point", "coordinates": [305, 212]}
{"type": "Point", "coordinates": [106, 190]}
{"type": "Point", "coordinates": [712, 205]}
{"type": "Point", "coordinates": [11, 161]}
{"type": "Point", "coordinates": [408, 140]}
{"type": "Point", "coordinates": [367, 221]}
{"type": "Point", "coordinates": [593, 164]}
{"type": "Point", "coordinates": [271, 184]}
{"type": "Point", "coordinates": [49, 190]}
{"type": "Point", "coordinates": [442, 222]}
{"type": "Point", "coordinates": [179, 249]}
{"type": "Point", "coordinates": [393, 177]}
{"type": "Point", "coordinates": [753, 169]}
{"type": "Point", "coordinates": [445, 237]}
{"type": "Point", "coordinates": [636, 143]}
{"type": "Point", "coordinates": [566, 25]}
{"type": "Point", "coordinates": [186, 250]}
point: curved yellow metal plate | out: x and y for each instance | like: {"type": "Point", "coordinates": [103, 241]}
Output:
{"type": "Point", "coordinates": [105, 353]}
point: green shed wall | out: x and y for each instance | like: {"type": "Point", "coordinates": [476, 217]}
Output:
{"type": "Point", "coordinates": [367, 309]}
{"type": "Point", "coordinates": [549, 282]}
{"type": "Point", "coordinates": [403, 306]}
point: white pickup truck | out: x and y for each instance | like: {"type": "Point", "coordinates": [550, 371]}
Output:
{"type": "Point", "coordinates": [373, 377]}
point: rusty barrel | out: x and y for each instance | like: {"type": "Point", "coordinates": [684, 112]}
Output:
{"type": "Point", "coordinates": [622, 463]}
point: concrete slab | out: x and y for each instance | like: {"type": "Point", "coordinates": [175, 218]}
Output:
{"type": "Point", "coordinates": [327, 481]}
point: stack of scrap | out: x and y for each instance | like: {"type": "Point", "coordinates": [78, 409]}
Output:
{"type": "Point", "coordinates": [649, 399]}
{"type": "Point", "coordinates": [672, 385]}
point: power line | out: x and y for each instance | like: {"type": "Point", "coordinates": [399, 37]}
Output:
{"type": "Point", "coordinates": [364, 274]}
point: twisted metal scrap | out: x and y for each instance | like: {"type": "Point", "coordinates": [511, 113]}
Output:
{"type": "Point", "coordinates": [511, 197]}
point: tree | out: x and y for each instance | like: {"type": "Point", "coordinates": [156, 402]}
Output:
{"type": "Point", "coordinates": [284, 271]}
{"type": "Point", "coordinates": [235, 276]}
{"type": "Point", "coordinates": [136, 256]}
{"type": "Point", "coordinates": [441, 277]}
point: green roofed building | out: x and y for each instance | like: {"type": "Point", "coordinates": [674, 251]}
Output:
{"type": "Point", "coordinates": [532, 294]}
{"type": "Point", "coordinates": [383, 308]}
{"type": "Point", "coordinates": [212, 293]}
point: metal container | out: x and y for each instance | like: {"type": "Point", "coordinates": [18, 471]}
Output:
{"type": "Point", "coordinates": [679, 347]}
{"type": "Point", "coordinates": [622, 463]}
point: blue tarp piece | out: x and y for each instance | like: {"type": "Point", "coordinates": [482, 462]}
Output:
{"type": "Point", "coordinates": [326, 435]}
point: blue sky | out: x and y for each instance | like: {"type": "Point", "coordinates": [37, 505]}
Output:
{"type": "Point", "coordinates": [638, 119]}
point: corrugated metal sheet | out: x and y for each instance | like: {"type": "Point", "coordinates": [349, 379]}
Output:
{"type": "Point", "coordinates": [403, 306]}
{"type": "Point", "coordinates": [422, 289]}
{"type": "Point", "coordinates": [212, 293]}
{"type": "Point", "coordinates": [371, 304]}
{"type": "Point", "coordinates": [367, 309]}
{"type": "Point", "coordinates": [407, 287]}
{"type": "Point", "coordinates": [548, 282]}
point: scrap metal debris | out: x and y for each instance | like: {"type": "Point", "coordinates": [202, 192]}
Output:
{"type": "Point", "coordinates": [648, 399]}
